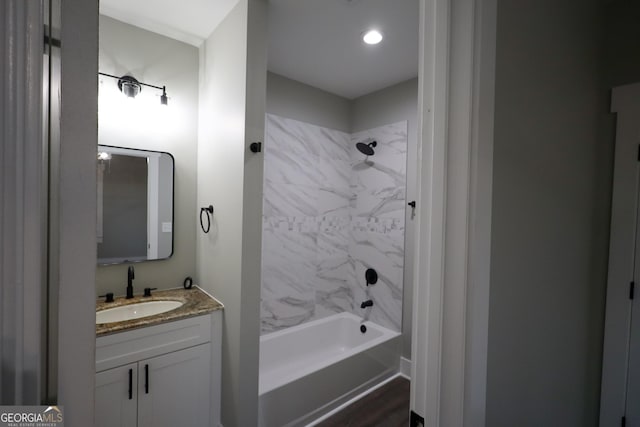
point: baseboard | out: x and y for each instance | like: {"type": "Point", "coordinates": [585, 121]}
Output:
{"type": "Point", "coordinates": [405, 368]}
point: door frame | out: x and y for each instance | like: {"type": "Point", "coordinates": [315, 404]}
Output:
{"type": "Point", "coordinates": [453, 222]}
{"type": "Point", "coordinates": [625, 102]}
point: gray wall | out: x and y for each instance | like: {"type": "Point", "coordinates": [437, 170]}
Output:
{"type": "Point", "coordinates": [158, 60]}
{"type": "Point", "coordinates": [390, 105]}
{"type": "Point", "coordinates": [73, 249]}
{"type": "Point", "coordinates": [551, 201]}
{"type": "Point", "coordinates": [232, 109]}
{"type": "Point", "coordinates": [289, 98]}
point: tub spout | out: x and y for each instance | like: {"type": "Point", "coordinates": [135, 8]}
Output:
{"type": "Point", "coordinates": [367, 303]}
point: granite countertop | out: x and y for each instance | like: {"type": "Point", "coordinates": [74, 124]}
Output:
{"type": "Point", "coordinates": [195, 302]}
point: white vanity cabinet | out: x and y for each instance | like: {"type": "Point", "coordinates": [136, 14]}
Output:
{"type": "Point", "coordinates": [162, 375]}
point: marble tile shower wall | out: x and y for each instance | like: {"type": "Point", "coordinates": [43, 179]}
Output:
{"type": "Point", "coordinates": [329, 214]}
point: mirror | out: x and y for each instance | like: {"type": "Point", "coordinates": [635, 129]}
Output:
{"type": "Point", "coordinates": [135, 205]}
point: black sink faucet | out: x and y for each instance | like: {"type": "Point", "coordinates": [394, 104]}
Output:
{"type": "Point", "coordinates": [130, 276]}
{"type": "Point", "coordinates": [367, 303]}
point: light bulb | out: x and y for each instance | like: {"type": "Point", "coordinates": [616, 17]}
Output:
{"type": "Point", "coordinates": [372, 37]}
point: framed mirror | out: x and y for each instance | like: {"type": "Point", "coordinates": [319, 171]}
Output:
{"type": "Point", "coordinates": [135, 205]}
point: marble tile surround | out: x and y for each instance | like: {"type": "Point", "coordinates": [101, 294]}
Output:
{"type": "Point", "coordinates": [330, 212]}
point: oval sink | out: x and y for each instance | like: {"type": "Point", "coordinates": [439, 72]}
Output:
{"type": "Point", "coordinates": [135, 311]}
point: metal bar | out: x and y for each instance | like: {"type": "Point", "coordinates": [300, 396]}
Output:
{"type": "Point", "coordinates": [142, 83]}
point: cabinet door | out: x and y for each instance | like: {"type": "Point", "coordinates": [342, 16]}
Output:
{"type": "Point", "coordinates": [175, 389]}
{"type": "Point", "coordinates": [116, 397]}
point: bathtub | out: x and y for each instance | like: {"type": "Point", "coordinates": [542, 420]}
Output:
{"type": "Point", "coordinates": [311, 369]}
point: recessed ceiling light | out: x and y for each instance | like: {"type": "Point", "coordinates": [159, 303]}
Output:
{"type": "Point", "coordinates": [372, 37]}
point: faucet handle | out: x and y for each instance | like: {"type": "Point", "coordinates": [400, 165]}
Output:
{"type": "Point", "coordinates": [108, 297]}
{"type": "Point", "coordinates": [147, 291]}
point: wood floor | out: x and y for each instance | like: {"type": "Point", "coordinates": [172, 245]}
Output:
{"type": "Point", "coordinates": [387, 406]}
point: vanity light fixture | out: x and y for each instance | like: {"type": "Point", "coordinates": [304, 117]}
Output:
{"type": "Point", "coordinates": [372, 37]}
{"type": "Point", "coordinates": [131, 87]}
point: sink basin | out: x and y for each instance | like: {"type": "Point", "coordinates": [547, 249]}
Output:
{"type": "Point", "coordinates": [135, 311]}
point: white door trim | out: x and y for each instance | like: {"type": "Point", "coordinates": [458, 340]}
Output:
{"type": "Point", "coordinates": [430, 219]}
{"type": "Point", "coordinates": [480, 202]}
{"type": "Point", "coordinates": [451, 285]}
{"type": "Point", "coordinates": [625, 101]}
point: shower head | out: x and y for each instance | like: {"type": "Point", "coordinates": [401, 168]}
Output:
{"type": "Point", "coordinates": [366, 149]}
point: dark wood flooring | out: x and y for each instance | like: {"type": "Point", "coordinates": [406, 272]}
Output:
{"type": "Point", "coordinates": [387, 406]}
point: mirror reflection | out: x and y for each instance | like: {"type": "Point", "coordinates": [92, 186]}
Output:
{"type": "Point", "coordinates": [135, 205]}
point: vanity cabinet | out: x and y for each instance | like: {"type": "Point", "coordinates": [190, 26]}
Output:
{"type": "Point", "coordinates": [169, 380]}
{"type": "Point", "coordinates": [167, 390]}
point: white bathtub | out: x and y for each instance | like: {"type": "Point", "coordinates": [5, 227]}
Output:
{"type": "Point", "coordinates": [308, 370]}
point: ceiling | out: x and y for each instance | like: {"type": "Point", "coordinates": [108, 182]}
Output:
{"type": "Point", "coordinates": [190, 21]}
{"type": "Point", "coordinates": [317, 42]}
